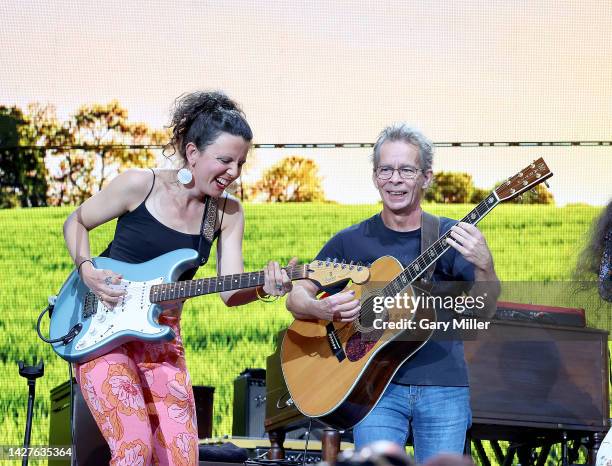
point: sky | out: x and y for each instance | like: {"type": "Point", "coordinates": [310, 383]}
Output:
{"type": "Point", "coordinates": [338, 72]}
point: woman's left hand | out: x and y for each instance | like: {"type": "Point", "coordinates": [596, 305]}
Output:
{"type": "Point", "coordinates": [276, 280]}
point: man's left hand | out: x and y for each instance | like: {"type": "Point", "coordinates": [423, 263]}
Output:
{"type": "Point", "coordinates": [470, 242]}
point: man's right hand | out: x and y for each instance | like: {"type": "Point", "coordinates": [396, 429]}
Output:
{"type": "Point", "coordinates": [340, 307]}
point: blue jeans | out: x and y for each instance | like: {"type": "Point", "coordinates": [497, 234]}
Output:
{"type": "Point", "coordinates": [438, 417]}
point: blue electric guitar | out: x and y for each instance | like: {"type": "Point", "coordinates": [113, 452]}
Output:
{"type": "Point", "coordinates": [87, 329]}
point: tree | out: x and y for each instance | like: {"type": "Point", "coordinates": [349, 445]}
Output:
{"type": "Point", "coordinates": [478, 195]}
{"type": "Point", "coordinates": [451, 187]}
{"type": "Point", "coordinates": [102, 133]}
{"type": "Point", "coordinates": [293, 179]}
{"type": "Point", "coordinates": [23, 175]}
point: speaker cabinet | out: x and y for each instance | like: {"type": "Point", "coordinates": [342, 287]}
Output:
{"type": "Point", "coordinates": [90, 448]}
{"type": "Point", "coordinates": [249, 404]}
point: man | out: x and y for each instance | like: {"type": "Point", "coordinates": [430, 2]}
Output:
{"type": "Point", "coordinates": [429, 395]}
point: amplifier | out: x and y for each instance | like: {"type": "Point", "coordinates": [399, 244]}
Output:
{"type": "Point", "coordinates": [90, 447]}
{"type": "Point", "coordinates": [549, 315]}
{"type": "Point", "coordinates": [249, 411]}
{"type": "Point", "coordinates": [249, 404]}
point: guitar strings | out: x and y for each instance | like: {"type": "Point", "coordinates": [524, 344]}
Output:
{"type": "Point", "coordinates": [294, 272]}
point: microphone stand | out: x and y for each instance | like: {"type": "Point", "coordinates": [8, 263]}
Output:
{"type": "Point", "coordinates": [31, 373]}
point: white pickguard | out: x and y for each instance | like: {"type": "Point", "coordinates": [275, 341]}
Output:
{"type": "Point", "coordinates": [129, 314]}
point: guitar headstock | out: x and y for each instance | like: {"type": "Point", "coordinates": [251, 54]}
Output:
{"type": "Point", "coordinates": [329, 272]}
{"type": "Point", "coordinates": [524, 180]}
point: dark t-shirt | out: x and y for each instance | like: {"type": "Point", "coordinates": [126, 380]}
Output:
{"type": "Point", "coordinates": [440, 361]}
{"type": "Point", "coordinates": [140, 237]}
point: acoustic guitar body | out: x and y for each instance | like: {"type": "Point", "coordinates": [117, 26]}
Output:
{"type": "Point", "coordinates": [338, 371]}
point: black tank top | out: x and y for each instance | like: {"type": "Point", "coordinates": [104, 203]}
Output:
{"type": "Point", "coordinates": [140, 237]}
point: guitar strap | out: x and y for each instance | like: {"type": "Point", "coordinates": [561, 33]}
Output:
{"type": "Point", "coordinates": [430, 232]}
{"type": "Point", "coordinates": [207, 230]}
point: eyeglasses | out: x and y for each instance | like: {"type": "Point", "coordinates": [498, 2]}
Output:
{"type": "Point", "coordinates": [406, 173]}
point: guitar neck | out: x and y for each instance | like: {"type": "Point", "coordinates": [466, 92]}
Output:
{"type": "Point", "coordinates": [192, 288]}
{"type": "Point", "coordinates": [420, 265]}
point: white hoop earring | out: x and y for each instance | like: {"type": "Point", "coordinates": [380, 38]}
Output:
{"type": "Point", "coordinates": [184, 176]}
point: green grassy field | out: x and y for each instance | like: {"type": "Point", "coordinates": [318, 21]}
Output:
{"type": "Point", "coordinates": [529, 243]}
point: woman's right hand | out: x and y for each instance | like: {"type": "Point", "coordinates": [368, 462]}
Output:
{"type": "Point", "coordinates": [105, 284]}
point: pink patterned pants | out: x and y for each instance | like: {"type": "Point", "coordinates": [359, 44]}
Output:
{"type": "Point", "coordinates": [141, 397]}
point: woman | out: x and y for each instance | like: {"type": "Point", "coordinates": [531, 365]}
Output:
{"type": "Point", "coordinates": [140, 393]}
{"type": "Point", "coordinates": [596, 259]}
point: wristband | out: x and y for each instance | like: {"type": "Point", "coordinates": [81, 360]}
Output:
{"type": "Point", "coordinates": [82, 262]}
{"type": "Point", "coordinates": [265, 299]}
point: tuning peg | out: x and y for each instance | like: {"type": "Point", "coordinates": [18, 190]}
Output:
{"type": "Point", "coordinates": [351, 266]}
{"type": "Point", "coordinates": [547, 185]}
{"type": "Point", "coordinates": [335, 263]}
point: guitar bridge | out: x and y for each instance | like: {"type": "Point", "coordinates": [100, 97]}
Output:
{"type": "Point", "coordinates": [334, 343]}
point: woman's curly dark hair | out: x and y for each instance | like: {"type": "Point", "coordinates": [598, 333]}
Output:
{"type": "Point", "coordinates": [589, 262]}
{"type": "Point", "coordinates": [199, 117]}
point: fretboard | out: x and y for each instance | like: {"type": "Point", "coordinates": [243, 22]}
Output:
{"type": "Point", "coordinates": [433, 253]}
{"type": "Point", "coordinates": [191, 288]}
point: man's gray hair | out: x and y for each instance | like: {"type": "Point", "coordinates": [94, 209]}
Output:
{"type": "Point", "coordinates": [403, 132]}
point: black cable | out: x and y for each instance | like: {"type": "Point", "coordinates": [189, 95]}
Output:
{"type": "Point", "coordinates": [306, 442]}
{"type": "Point", "coordinates": [40, 316]}
{"type": "Point", "coordinates": [74, 331]}
{"type": "Point", "coordinates": [73, 449]}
